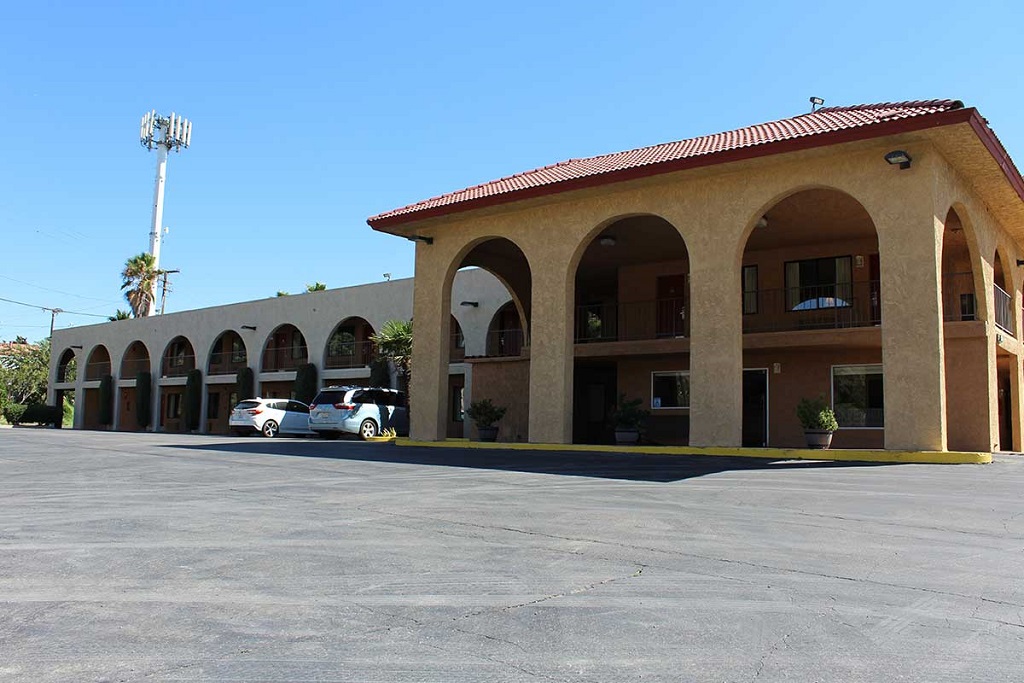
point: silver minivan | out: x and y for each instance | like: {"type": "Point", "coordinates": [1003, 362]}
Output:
{"type": "Point", "coordinates": [358, 410]}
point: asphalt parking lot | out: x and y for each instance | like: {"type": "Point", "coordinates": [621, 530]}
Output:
{"type": "Point", "coordinates": [153, 557]}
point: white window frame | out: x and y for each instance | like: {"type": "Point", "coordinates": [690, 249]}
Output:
{"type": "Point", "coordinates": [668, 372]}
{"type": "Point", "coordinates": [832, 388]}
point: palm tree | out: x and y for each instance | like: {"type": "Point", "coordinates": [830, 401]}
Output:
{"type": "Point", "coordinates": [394, 342]}
{"type": "Point", "coordinates": [316, 287]}
{"type": "Point", "coordinates": [140, 275]}
{"type": "Point", "coordinates": [120, 315]}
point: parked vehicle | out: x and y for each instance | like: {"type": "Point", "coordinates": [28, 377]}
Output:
{"type": "Point", "coordinates": [358, 410]}
{"type": "Point", "coordinates": [269, 417]}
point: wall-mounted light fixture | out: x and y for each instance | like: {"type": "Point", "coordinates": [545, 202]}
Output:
{"type": "Point", "coordinates": [474, 304]}
{"type": "Point", "coordinates": [815, 103]}
{"type": "Point", "coordinates": [606, 241]}
{"type": "Point", "coordinates": [76, 346]}
{"type": "Point", "coordinates": [249, 327]}
{"type": "Point", "coordinates": [898, 157]}
{"type": "Point", "coordinates": [420, 238]}
{"type": "Point", "coordinates": [762, 222]}
{"type": "Point", "coordinates": [1020, 262]}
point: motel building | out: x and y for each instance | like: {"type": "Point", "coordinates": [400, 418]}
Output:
{"type": "Point", "coordinates": [870, 254]}
{"type": "Point", "coordinates": [273, 337]}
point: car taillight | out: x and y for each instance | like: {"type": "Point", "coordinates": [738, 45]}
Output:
{"type": "Point", "coordinates": [312, 407]}
{"type": "Point", "coordinates": [344, 406]}
{"type": "Point", "coordinates": [255, 411]}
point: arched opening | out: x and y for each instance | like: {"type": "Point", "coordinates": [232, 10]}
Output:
{"type": "Point", "coordinates": [179, 358]}
{"type": "Point", "coordinates": [350, 345]}
{"type": "Point", "coordinates": [284, 350]}
{"type": "Point", "coordinates": [505, 335]}
{"type": "Point", "coordinates": [67, 367]}
{"type": "Point", "coordinates": [228, 354]}
{"type": "Point", "coordinates": [1002, 298]}
{"type": "Point", "coordinates": [97, 364]}
{"type": "Point", "coordinates": [959, 302]}
{"type": "Point", "coordinates": [134, 360]}
{"type": "Point", "coordinates": [632, 284]}
{"type": "Point", "coordinates": [810, 290]}
{"type": "Point", "coordinates": [503, 373]}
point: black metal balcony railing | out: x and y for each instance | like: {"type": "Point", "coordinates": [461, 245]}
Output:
{"type": "Point", "coordinates": [96, 370]}
{"type": "Point", "coordinates": [958, 300]}
{"type": "Point", "coordinates": [503, 343]}
{"type": "Point", "coordinates": [226, 363]}
{"type": "Point", "coordinates": [131, 367]}
{"type": "Point", "coordinates": [178, 366]}
{"type": "Point", "coordinates": [1004, 309]}
{"type": "Point", "coordinates": [821, 307]}
{"type": "Point", "coordinates": [631, 321]}
{"type": "Point", "coordinates": [283, 358]}
{"type": "Point", "coordinates": [350, 355]}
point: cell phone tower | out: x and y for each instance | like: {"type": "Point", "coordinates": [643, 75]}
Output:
{"type": "Point", "coordinates": [164, 133]}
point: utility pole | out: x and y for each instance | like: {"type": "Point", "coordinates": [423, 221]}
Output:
{"type": "Point", "coordinates": [53, 318]}
{"type": "Point", "coordinates": [164, 133]}
{"type": "Point", "coordinates": [165, 286]}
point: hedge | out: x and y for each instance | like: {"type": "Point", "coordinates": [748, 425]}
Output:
{"type": "Point", "coordinates": [13, 412]}
{"type": "Point", "coordinates": [106, 401]}
{"type": "Point", "coordinates": [245, 384]}
{"type": "Point", "coordinates": [40, 413]}
{"type": "Point", "coordinates": [305, 383]}
{"type": "Point", "coordinates": [143, 399]}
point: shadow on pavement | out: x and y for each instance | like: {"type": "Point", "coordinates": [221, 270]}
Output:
{"type": "Point", "coordinates": [652, 468]}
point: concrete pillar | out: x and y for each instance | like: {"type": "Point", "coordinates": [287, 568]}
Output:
{"type": "Point", "coordinates": [551, 353]}
{"type": "Point", "coordinates": [428, 390]}
{"type": "Point", "coordinates": [968, 409]}
{"type": "Point", "coordinates": [909, 242]}
{"type": "Point", "coordinates": [716, 343]}
{"type": "Point", "coordinates": [204, 404]}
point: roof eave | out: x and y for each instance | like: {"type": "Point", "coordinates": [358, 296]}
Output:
{"type": "Point", "coordinates": [392, 224]}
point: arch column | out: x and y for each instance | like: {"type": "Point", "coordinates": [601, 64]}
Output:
{"type": "Point", "coordinates": [432, 318]}
{"type": "Point", "coordinates": [716, 336]}
{"type": "Point", "coordinates": [551, 346]}
{"type": "Point", "coordinates": [913, 357]}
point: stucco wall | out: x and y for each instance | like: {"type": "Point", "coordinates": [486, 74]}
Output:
{"type": "Point", "coordinates": [506, 382]}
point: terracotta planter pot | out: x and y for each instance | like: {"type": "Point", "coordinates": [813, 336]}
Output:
{"type": "Point", "coordinates": [626, 437]}
{"type": "Point", "coordinates": [488, 434]}
{"type": "Point", "coordinates": [818, 439]}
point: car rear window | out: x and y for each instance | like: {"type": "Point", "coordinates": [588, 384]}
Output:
{"type": "Point", "coordinates": [245, 405]}
{"type": "Point", "coordinates": [325, 397]}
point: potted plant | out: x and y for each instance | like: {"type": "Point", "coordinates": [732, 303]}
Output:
{"type": "Point", "coordinates": [818, 422]}
{"type": "Point", "coordinates": [628, 418]}
{"type": "Point", "coordinates": [484, 414]}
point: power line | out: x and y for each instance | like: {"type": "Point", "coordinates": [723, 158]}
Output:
{"type": "Point", "coordinates": [47, 308]}
{"type": "Point", "coordinates": [56, 291]}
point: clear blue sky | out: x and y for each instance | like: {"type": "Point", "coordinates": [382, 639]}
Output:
{"type": "Point", "coordinates": [311, 116]}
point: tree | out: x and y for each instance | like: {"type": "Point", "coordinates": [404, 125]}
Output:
{"type": "Point", "coordinates": [316, 287]}
{"type": "Point", "coordinates": [24, 374]}
{"type": "Point", "coordinates": [120, 315]}
{"type": "Point", "coordinates": [140, 275]}
{"type": "Point", "coordinates": [282, 293]}
{"type": "Point", "coordinates": [305, 383]}
{"type": "Point", "coordinates": [394, 342]}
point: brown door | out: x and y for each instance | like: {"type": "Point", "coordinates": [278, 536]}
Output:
{"type": "Point", "coordinates": [456, 406]}
{"type": "Point", "coordinates": [671, 306]}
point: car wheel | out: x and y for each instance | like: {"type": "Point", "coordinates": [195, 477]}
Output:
{"type": "Point", "coordinates": [270, 429]}
{"type": "Point", "coordinates": [367, 429]}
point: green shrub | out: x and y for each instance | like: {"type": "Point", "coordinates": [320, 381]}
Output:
{"type": "Point", "coordinates": [40, 413]}
{"type": "Point", "coordinates": [13, 412]}
{"type": "Point", "coordinates": [380, 373]}
{"type": "Point", "coordinates": [143, 399]}
{"type": "Point", "coordinates": [628, 413]}
{"type": "Point", "coordinates": [245, 384]}
{"type": "Point", "coordinates": [193, 399]}
{"type": "Point", "coordinates": [484, 413]}
{"type": "Point", "coordinates": [106, 407]}
{"type": "Point", "coordinates": [816, 415]}
{"type": "Point", "coordinates": [68, 413]}
{"type": "Point", "coordinates": [305, 383]}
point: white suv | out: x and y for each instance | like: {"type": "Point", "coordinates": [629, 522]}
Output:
{"type": "Point", "coordinates": [270, 417]}
{"type": "Point", "coordinates": [358, 410]}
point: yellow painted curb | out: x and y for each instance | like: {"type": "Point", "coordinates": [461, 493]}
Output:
{"type": "Point", "coordinates": [837, 454]}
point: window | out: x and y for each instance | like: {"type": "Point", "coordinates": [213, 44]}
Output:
{"type": "Point", "coordinates": [819, 283]}
{"type": "Point", "coordinates": [342, 342]}
{"type": "Point", "coordinates": [967, 306]}
{"type": "Point", "coordinates": [458, 404]}
{"type": "Point", "coordinates": [237, 351]}
{"type": "Point", "coordinates": [749, 290]}
{"type": "Point", "coordinates": [173, 406]}
{"type": "Point", "coordinates": [857, 395]}
{"type": "Point", "coordinates": [298, 345]}
{"type": "Point", "coordinates": [670, 390]}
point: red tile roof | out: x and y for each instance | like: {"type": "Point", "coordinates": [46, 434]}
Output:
{"type": "Point", "coordinates": [666, 157]}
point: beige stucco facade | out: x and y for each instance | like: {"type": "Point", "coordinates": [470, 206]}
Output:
{"type": "Point", "coordinates": [715, 209]}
